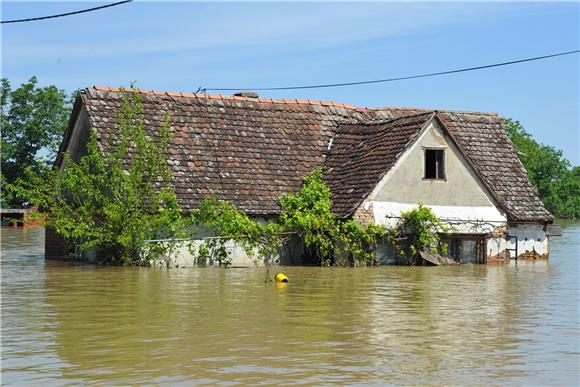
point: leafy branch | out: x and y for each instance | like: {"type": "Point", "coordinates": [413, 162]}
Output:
{"type": "Point", "coordinates": [115, 197]}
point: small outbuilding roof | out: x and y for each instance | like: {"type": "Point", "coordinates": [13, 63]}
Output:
{"type": "Point", "coordinates": [250, 151]}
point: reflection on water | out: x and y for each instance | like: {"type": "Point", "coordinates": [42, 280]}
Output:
{"type": "Point", "coordinates": [71, 324]}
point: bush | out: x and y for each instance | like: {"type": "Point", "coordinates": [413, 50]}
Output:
{"type": "Point", "coordinates": [108, 203]}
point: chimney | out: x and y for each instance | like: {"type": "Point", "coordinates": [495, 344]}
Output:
{"type": "Point", "coordinates": [247, 94]}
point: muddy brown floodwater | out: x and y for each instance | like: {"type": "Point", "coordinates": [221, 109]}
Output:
{"type": "Point", "coordinates": [467, 325]}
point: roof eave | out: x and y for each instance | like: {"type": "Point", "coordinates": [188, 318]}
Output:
{"type": "Point", "coordinates": [77, 106]}
{"type": "Point", "coordinates": [472, 165]}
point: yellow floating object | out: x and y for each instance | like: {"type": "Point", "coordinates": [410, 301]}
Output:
{"type": "Point", "coordinates": [280, 278]}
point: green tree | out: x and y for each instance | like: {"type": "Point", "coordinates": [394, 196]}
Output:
{"type": "Point", "coordinates": [307, 213]}
{"type": "Point", "coordinates": [111, 203]}
{"type": "Point", "coordinates": [564, 197]}
{"type": "Point", "coordinates": [33, 121]}
{"type": "Point", "coordinates": [558, 185]}
{"type": "Point", "coordinates": [260, 240]}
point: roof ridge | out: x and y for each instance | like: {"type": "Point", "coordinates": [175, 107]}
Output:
{"type": "Point", "coordinates": [233, 97]}
{"type": "Point", "coordinates": [383, 121]}
{"type": "Point", "coordinates": [423, 113]}
{"type": "Point", "coordinates": [286, 101]}
{"type": "Point", "coordinates": [384, 108]}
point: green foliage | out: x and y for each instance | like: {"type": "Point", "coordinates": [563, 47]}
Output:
{"type": "Point", "coordinates": [357, 242]}
{"type": "Point", "coordinates": [307, 213]}
{"type": "Point", "coordinates": [214, 250]}
{"type": "Point", "coordinates": [422, 228]}
{"type": "Point", "coordinates": [33, 121]}
{"type": "Point", "coordinates": [557, 184]}
{"type": "Point", "coordinates": [564, 197]}
{"type": "Point", "coordinates": [221, 219]}
{"type": "Point", "coordinates": [108, 203]}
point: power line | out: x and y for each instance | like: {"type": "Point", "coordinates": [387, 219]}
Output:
{"type": "Point", "coordinates": [396, 78]}
{"type": "Point", "coordinates": [65, 14]}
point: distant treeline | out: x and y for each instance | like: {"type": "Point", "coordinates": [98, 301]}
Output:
{"type": "Point", "coordinates": [558, 183]}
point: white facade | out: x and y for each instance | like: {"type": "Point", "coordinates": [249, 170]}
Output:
{"type": "Point", "coordinates": [460, 196]}
{"type": "Point", "coordinates": [460, 199]}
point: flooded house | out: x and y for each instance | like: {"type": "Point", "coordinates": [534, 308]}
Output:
{"type": "Point", "coordinates": [377, 163]}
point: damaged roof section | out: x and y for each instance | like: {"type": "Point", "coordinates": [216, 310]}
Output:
{"type": "Point", "coordinates": [363, 153]}
{"type": "Point", "coordinates": [250, 151]}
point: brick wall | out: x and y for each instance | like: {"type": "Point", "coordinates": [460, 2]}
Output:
{"type": "Point", "coordinates": [501, 258]}
{"type": "Point", "coordinates": [55, 246]}
{"type": "Point", "coordinates": [532, 255]}
{"type": "Point", "coordinates": [363, 216]}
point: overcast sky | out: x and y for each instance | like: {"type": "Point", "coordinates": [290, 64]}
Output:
{"type": "Point", "coordinates": [183, 45]}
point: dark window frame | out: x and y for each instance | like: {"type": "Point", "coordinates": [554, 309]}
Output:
{"type": "Point", "coordinates": [454, 248]}
{"type": "Point", "coordinates": [434, 163]}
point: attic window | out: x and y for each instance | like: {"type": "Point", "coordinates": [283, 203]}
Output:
{"type": "Point", "coordinates": [435, 164]}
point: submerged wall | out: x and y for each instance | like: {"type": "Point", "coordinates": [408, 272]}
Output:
{"type": "Point", "coordinates": [529, 240]}
{"type": "Point", "coordinates": [532, 241]}
{"type": "Point", "coordinates": [186, 255]}
{"type": "Point", "coordinates": [500, 245]}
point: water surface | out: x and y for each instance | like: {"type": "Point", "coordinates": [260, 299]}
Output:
{"type": "Point", "coordinates": [466, 325]}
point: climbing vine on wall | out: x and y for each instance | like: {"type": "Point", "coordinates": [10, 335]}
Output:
{"type": "Point", "coordinates": [420, 229]}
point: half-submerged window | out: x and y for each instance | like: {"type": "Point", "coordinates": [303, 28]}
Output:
{"type": "Point", "coordinates": [434, 164]}
{"type": "Point", "coordinates": [464, 249]}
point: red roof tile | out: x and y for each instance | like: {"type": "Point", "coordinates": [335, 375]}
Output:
{"type": "Point", "coordinates": [362, 154]}
{"type": "Point", "coordinates": [252, 150]}
{"type": "Point", "coordinates": [263, 148]}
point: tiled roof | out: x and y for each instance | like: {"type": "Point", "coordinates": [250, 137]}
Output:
{"type": "Point", "coordinates": [248, 151]}
{"type": "Point", "coordinates": [230, 97]}
{"type": "Point", "coordinates": [361, 154]}
{"type": "Point", "coordinates": [484, 140]}
{"type": "Point", "coordinates": [252, 150]}
{"type": "Point", "coordinates": [481, 137]}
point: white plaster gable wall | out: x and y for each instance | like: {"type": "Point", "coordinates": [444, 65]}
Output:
{"type": "Point", "coordinates": [460, 196]}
